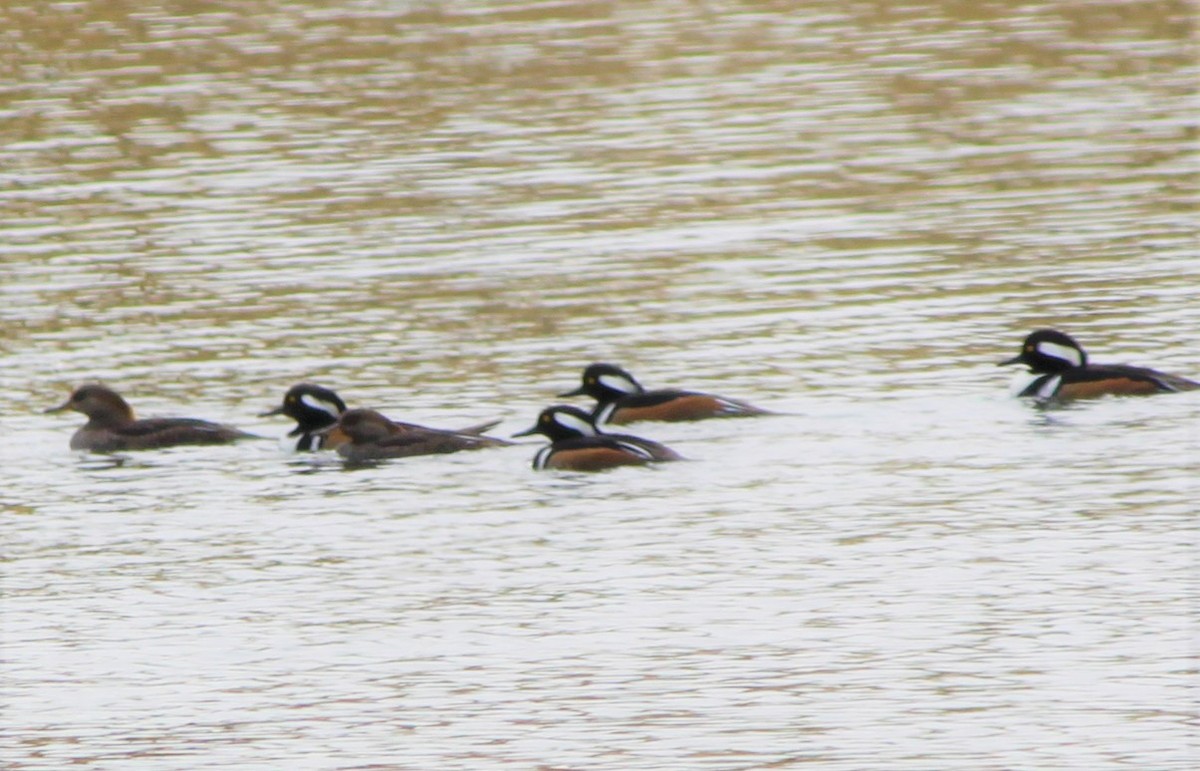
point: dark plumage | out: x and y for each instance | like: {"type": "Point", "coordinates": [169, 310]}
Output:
{"type": "Point", "coordinates": [371, 436]}
{"type": "Point", "coordinates": [577, 445]}
{"type": "Point", "coordinates": [314, 408]}
{"type": "Point", "coordinates": [1064, 372]}
{"type": "Point", "coordinates": [622, 399]}
{"type": "Point", "coordinates": [111, 425]}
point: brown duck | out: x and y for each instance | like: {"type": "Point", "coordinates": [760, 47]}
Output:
{"type": "Point", "coordinates": [111, 425]}
{"type": "Point", "coordinates": [373, 436]}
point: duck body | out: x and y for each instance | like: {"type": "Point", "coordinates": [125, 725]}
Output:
{"type": "Point", "coordinates": [317, 409]}
{"type": "Point", "coordinates": [1064, 373]}
{"type": "Point", "coordinates": [112, 426]}
{"type": "Point", "coordinates": [621, 399]}
{"type": "Point", "coordinates": [370, 435]}
{"type": "Point", "coordinates": [577, 445]}
{"type": "Point", "coordinates": [671, 405]}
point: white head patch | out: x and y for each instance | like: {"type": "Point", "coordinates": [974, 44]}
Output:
{"type": "Point", "coordinates": [575, 423]}
{"type": "Point", "coordinates": [618, 383]}
{"type": "Point", "coordinates": [1062, 352]}
{"type": "Point", "coordinates": [320, 404]}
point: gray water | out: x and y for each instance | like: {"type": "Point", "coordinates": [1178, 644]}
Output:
{"type": "Point", "coordinates": [845, 212]}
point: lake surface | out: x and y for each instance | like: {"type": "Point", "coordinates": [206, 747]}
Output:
{"type": "Point", "coordinates": [846, 212]}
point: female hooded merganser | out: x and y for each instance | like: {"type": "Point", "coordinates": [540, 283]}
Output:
{"type": "Point", "coordinates": [621, 399]}
{"type": "Point", "coordinates": [577, 445]}
{"type": "Point", "coordinates": [1064, 373]}
{"type": "Point", "coordinates": [314, 408]}
{"type": "Point", "coordinates": [372, 436]}
{"type": "Point", "coordinates": [112, 426]}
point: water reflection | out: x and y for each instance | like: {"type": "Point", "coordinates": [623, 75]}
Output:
{"type": "Point", "coordinates": [846, 212]}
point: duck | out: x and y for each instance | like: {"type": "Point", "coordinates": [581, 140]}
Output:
{"type": "Point", "coordinates": [576, 444]}
{"type": "Point", "coordinates": [621, 399]}
{"type": "Point", "coordinates": [370, 435]}
{"type": "Point", "coordinates": [1064, 372]}
{"type": "Point", "coordinates": [112, 426]}
{"type": "Point", "coordinates": [314, 408]}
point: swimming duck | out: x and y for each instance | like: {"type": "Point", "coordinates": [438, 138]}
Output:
{"type": "Point", "coordinates": [1064, 372]}
{"type": "Point", "coordinates": [111, 425]}
{"type": "Point", "coordinates": [622, 399]}
{"type": "Point", "coordinates": [577, 445]}
{"type": "Point", "coordinates": [314, 408]}
{"type": "Point", "coordinates": [371, 435]}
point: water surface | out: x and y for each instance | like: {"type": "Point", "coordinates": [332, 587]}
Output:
{"type": "Point", "coordinates": [845, 212]}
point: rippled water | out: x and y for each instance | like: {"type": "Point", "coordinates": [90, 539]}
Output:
{"type": "Point", "coordinates": [846, 212]}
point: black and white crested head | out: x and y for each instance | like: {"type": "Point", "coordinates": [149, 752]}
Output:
{"type": "Point", "coordinates": [606, 382]}
{"type": "Point", "coordinates": [1052, 344]}
{"type": "Point", "coordinates": [571, 420]}
{"type": "Point", "coordinates": [1049, 351]}
{"type": "Point", "coordinates": [321, 399]}
{"type": "Point", "coordinates": [562, 422]}
{"type": "Point", "coordinates": [311, 406]}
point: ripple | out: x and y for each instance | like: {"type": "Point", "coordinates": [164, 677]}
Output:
{"type": "Point", "coordinates": [847, 215]}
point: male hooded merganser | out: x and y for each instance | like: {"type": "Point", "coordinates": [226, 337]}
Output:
{"type": "Point", "coordinates": [111, 425]}
{"type": "Point", "coordinates": [314, 408]}
{"type": "Point", "coordinates": [372, 436]}
{"type": "Point", "coordinates": [577, 445]}
{"type": "Point", "coordinates": [1064, 373]}
{"type": "Point", "coordinates": [621, 399]}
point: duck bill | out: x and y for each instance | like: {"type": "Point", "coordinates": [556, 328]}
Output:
{"type": "Point", "coordinates": [269, 413]}
{"type": "Point", "coordinates": [64, 406]}
{"type": "Point", "coordinates": [1014, 360]}
{"type": "Point", "coordinates": [527, 432]}
{"type": "Point", "coordinates": [580, 391]}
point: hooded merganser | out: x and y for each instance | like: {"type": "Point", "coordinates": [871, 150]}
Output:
{"type": "Point", "coordinates": [1064, 373]}
{"type": "Point", "coordinates": [112, 426]}
{"type": "Point", "coordinates": [621, 399]}
{"type": "Point", "coordinates": [372, 436]}
{"type": "Point", "coordinates": [314, 408]}
{"type": "Point", "coordinates": [577, 445]}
